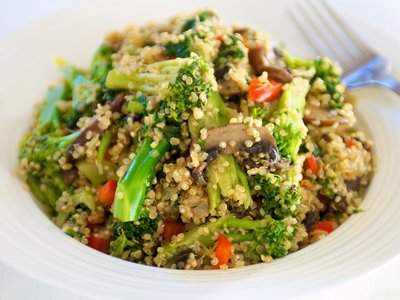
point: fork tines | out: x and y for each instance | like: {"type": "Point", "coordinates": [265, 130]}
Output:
{"type": "Point", "coordinates": [327, 33]}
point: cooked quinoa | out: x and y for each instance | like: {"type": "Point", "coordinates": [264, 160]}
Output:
{"type": "Point", "coordinates": [192, 144]}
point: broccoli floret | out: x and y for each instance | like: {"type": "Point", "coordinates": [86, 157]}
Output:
{"type": "Point", "coordinates": [84, 91]}
{"type": "Point", "coordinates": [182, 82]}
{"type": "Point", "coordinates": [134, 230]}
{"type": "Point", "coordinates": [232, 52]}
{"type": "Point", "coordinates": [330, 74]}
{"type": "Point", "coordinates": [278, 200]}
{"type": "Point", "coordinates": [129, 234]}
{"type": "Point", "coordinates": [138, 105]}
{"type": "Point", "coordinates": [184, 46]}
{"type": "Point", "coordinates": [199, 18]}
{"type": "Point", "coordinates": [101, 64]}
{"type": "Point", "coordinates": [49, 118]}
{"type": "Point", "coordinates": [42, 148]}
{"type": "Point", "coordinates": [289, 128]}
{"type": "Point", "coordinates": [120, 244]}
{"type": "Point", "coordinates": [182, 49]}
{"type": "Point", "coordinates": [267, 236]}
{"type": "Point", "coordinates": [274, 238]}
{"type": "Point", "coordinates": [326, 70]}
{"type": "Point", "coordinates": [69, 71]}
{"type": "Point", "coordinates": [84, 94]}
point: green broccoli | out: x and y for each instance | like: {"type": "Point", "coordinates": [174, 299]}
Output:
{"type": "Point", "coordinates": [120, 244]}
{"type": "Point", "coordinates": [127, 235]}
{"type": "Point", "coordinates": [182, 82]}
{"type": "Point", "coordinates": [101, 64]}
{"type": "Point", "coordinates": [182, 49]}
{"type": "Point", "coordinates": [326, 70]}
{"type": "Point", "coordinates": [185, 46]}
{"type": "Point", "coordinates": [183, 85]}
{"type": "Point", "coordinates": [132, 188]}
{"type": "Point", "coordinates": [134, 230]}
{"type": "Point", "coordinates": [289, 128]}
{"type": "Point", "coordinates": [278, 200]}
{"type": "Point", "coordinates": [49, 118]}
{"type": "Point", "coordinates": [232, 52]}
{"type": "Point", "coordinates": [197, 19]}
{"type": "Point", "coordinates": [267, 236]}
{"type": "Point", "coordinates": [42, 148]}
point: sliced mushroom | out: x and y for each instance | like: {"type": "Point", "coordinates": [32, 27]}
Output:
{"type": "Point", "coordinates": [353, 185]}
{"type": "Point", "coordinates": [312, 217]}
{"type": "Point", "coordinates": [259, 62]}
{"type": "Point", "coordinates": [338, 206]}
{"type": "Point", "coordinates": [81, 139]}
{"type": "Point", "coordinates": [70, 176]}
{"type": "Point", "coordinates": [234, 138]}
{"type": "Point", "coordinates": [198, 173]}
{"type": "Point", "coordinates": [117, 102]}
{"type": "Point", "coordinates": [94, 127]}
{"type": "Point", "coordinates": [322, 116]}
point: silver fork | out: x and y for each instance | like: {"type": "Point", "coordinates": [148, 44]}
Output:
{"type": "Point", "coordinates": [329, 37]}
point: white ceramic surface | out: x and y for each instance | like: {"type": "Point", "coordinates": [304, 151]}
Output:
{"type": "Point", "coordinates": [31, 244]}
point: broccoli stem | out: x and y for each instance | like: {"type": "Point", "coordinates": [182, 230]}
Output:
{"type": "Point", "coordinates": [131, 189]}
{"type": "Point", "coordinates": [49, 118]}
{"type": "Point", "coordinates": [44, 193]}
{"type": "Point", "coordinates": [228, 221]}
{"type": "Point", "coordinates": [101, 64]}
{"type": "Point", "coordinates": [289, 113]}
{"type": "Point", "coordinates": [104, 143]}
{"type": "Point", "coordinates": [135, 81]}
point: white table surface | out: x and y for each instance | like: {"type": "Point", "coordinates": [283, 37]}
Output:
{"type": "Point", "coordinates": [381, 284]}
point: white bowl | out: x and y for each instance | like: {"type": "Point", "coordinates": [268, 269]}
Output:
{"type": "Point", "coordinates": [31, 244]}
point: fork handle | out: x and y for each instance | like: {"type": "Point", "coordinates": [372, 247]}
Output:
{"type": "Point", "coordinates": [387, 81]}
{"type": "Point", "coordinates": [374, 72]}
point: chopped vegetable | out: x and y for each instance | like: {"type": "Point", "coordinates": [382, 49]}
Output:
{"type": "Point", "coordinates": [171, 228]}
{"type": "Point", "coordinates": [106, 192]}
{"type": "Point", "coordinates": [311, 164]}
{"type": "Point", "coordinates": [99, 243]}
{"type": "Point", "coordinates": [264, 91]}
{"type": "Point", "coordinates": [325, 226]}
{"type": "Point", "coordinates": [222, 250]}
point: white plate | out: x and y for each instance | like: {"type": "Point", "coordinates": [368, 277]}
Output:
{"type": "Point", "coordinates": [31, 244]}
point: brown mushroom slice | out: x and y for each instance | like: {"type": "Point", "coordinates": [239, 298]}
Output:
{"type": "Point", "coordinates": [259, 62]}
{"type": "Point", "coordinates": [198, 173]}
{"type": "Point", "coordinates": [232, 138]}
{"type": "Point", "coordinates": [117, 102]}
{"type": "Point", "coordinates": [94, 126]}
{"type": "Point", "coordinates": [322, 116]}
{"type": "Point", "coordinates": [82, 139]}
{"type": "Point", "coordinates": [353, 185]}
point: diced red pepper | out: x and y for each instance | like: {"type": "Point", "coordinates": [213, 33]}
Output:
{"type": "Point", "coordinates": [223, 250]}
{"type": "Point", "coordinates": [350, 142]}
{"type": "Point", "coordinates": [307, 184]}
{"type": "Point", "coordinates": [99, 243]}
{"type": "Point", "coordinates": [171, 228]}
{"type": "Point", "coordinates": [106, 192]}
{"type": "Point", "coordinates": [264, 92]}
{"type": "Point", "coordinates": [311, 164]}
{"type": "Point", "coordinates": [325, 226]}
